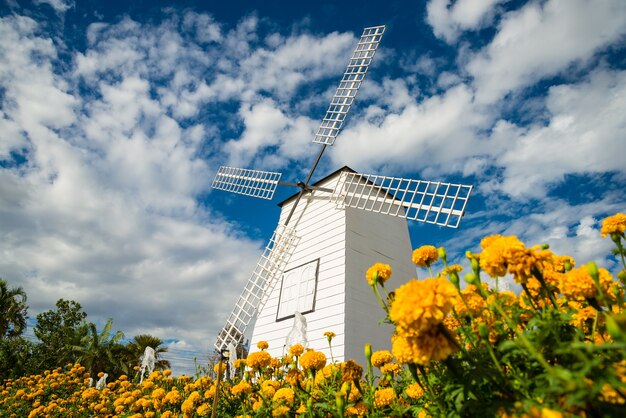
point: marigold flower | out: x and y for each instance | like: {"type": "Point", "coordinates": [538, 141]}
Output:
{"type": "Point", "coordinates": [421, 304]}
{"type": "Point", "coordinates": [262, 345]}
{"type": "Point", "coordinates": [329, 335]}
{"type": "Point", "coordinates": [294, 376]}
{"type": "Point", "coordinates": [391, 368]}
{"type": "Point", "coordinates": [384, 397]}
{"type": "Point", "coordinates": [284, 396]}
{"type": "Point", "coordinates": [280, 411]}
{"type": "Point", "coordinates": [203, 410]}
{"type": "Point", "coordinates": [358, 410]}
{"type": "Point", "coordinates": [615, 224]}
{"type": "Point", "coordinates": [269, 387]}
{"type": "Point", "coordinates": [173, 396]}
{"type": "Point", "coordinates": [380, 358]}
{"type": "Point", "coordinates": [496, 249]}
{"type": "Point", "coordinates": [313, 360]}
{"type": "Point", "coordinates": [296, 350]}
{"type": "Point", "coordinates": [414, 391]}
{"type": "Point", "coordinates": [425, 255]}
{"type": "Point", "coordinates": [241, 388]}
{"type": "Point", "coordinates": [577, 284]}
{"type": "Point", "coordinates": [350, 371]}
{"type": "Point", "coordinates": [423, 348]}
{"type": "Point", "coordinates": [258, 360]}
{"type": "Point", "coordinates": [378, 273]}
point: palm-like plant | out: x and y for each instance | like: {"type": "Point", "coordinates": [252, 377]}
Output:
{"type": "Point", "coordinates": [97, 351]}
{"type": "Point", "coordinates": [137, 346]}
{"type": "Point", "coordinates": [12, 310]}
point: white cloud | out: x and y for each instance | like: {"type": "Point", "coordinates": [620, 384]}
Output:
{"type": "Point", "coordinates": [586, 121]}
{"type": "Point", "coordinates": [544, 39]}
{"type": "Point", "coordinates": [59, 6]}
{"type": "Point", "coordinates": [448, 19]}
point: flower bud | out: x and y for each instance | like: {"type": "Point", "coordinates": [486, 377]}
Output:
{"type": "Point", "coordinates": [483, 330]}
{"type": "Point", "coordinates": [471, 278]}
{"type": "Point", "coordinates": [368, 352]}
{"type": "Point", "coordinates": [442, 254]}
{"type": "Point", "coordinates": [454, 279]}
{"type": "Point", "coordinates": [568, 266]}
{"type": "Point", "coordinates": [545, 246]}
{"type": "Point", "coordinates": [340, 402]}
{"type": "Point", "coordinates": [475, 265]}
{"type": "Point", "coordinates": [592, 269]}
{"type": "Point", "coordinates": [616, 327]}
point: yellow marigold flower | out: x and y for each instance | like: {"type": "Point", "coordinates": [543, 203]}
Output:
{"type": "Point", "coordinates": [280, 411]}
{"type": "Point", "coordinates": [559, 262]}
{"type": "Point", "coordinates": [241, 388]}
{"type": "Point", "coordinates": [284, 396]}
{"type": "Point", "coordinates": [350, 371]}
{"type": "Point", "coordinates": [425, 255]}
{"type": "Point", "coordinates": [296, 350]}
{"type": "Point", "coordinates": [217, 368]}
{"type": "Point", "coordinates": [474, 303]}
{"type": "Point", "coordinates": [453, 268]}
{"type": "Point", "coordinates": [312, 360]}
{"type": "Point", "coordinates": [391, 368]}
{"type": "Point", "coordinates": [167, 372]}
{"type": "Point", "coordinates": [240, 362]}
{"type": "Point", "coordinates": [358, 410]}
{"type": "Point", "coordinates": [262, 345]}
{"type": "Point", "coordinates": [173, 396]}
{"type": "Point", "coordinates": [203, 410]}
{"type": "Point", "coordinates": [90, 393]}
{"type": "Point", "coordinates": [384, 397]}
{"type": "Point", "coordinates": [421, 304]}
{"type": "Point", "coordinates": [167, 414]}
{"type": "Point", "coordinates": [268, 388]}
{"type": "Point", "coordinates": [496, 249]}
{"type": "Point", "coordinates": [259, 360]}
{"type": "Point", "coordinates": [414, 391]}
{"type": "Point", "coordinates": [577, 284]}
{"type": "Point", "coordinates": [423, 348]}
{"type": "Point", "coordinates": [378, 273]}
{"type": "Point", "coordinates": [380, 358]}
{"type": "Point", "coordinates": [294, 376]}
{"type": "Point", "coordinates": [330, 335]}
{"type": "Point", "coordinates": [615, 224]}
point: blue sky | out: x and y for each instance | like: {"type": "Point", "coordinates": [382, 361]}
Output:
{"type": "Point", "coordinates": [114, 117]}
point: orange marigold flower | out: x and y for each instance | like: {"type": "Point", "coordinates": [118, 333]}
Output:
{"type": "Point", "coordinates": [414, 391]}
{"type": "Point", "coordinates": [296, 350]}
{"type": "Point", "coordinates": [380, 358]}
{"type": "Point", "coordinates": [241, 388]}
{"type": "Point", "coordinates": [384, 397]}
{"type": "Point", "coordinates": [615, 224]}
{"type": "Point", "coordinates": [473, 304]}
{"type": "Point", "coordinates": [262, 345]}
{"type": "Point", "coordinates": [350, 371]}
{"type": "Point", "coordinates": [269, 387]}
{"type": "Point", "coordinates": [378, 273]}
{"type": "Point", "coordinates": [423, 348]}
{"type": "Point", "coordinates": [577, 284]}
{"type": "Point", "coordinates": [391, 368]}
{"type": "Point", "coordinates": [312, 360]}
{"type": "Point", "coordinates": [358, 410]}
{"type": "Point", "coordinates": [294, 376]}
{"type": "Point", "coordinates": [453, 268]}
{"type": "Point", "coordinates": [284, 396]}
{"type": "Point", "coordinates": [559, 262]}
{"type": "Point", "coordinates": [259, 360]}
{"type": "Point", "coordinates": [425, 255]}
{"type": "Point", "coordinates": [496, 249]}
{"type": "Point", "coordinates": [329, 335]}
{"type": "Point", "coordinates": [421, 304]}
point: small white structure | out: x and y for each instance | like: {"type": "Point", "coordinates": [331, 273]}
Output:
{"type": "Point", "coordinates": [148, 360]}
{"type": "Point", "coordinates": [325, 276]}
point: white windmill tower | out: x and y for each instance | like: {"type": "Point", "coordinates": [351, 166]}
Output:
{"type": "Point", "coordinates": [328, 234]}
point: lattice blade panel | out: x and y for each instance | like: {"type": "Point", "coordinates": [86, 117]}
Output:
{"type": "Point", "coordinates": [349, 86]}
{"type": "Point", "coordinates": [264, 277]}
{"type": "Point", "coordinates": [424, 201]}
{"type": "Point", "coordinates": [254, 183]}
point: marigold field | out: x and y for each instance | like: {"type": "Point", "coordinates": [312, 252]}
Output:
{"type": "Point", "coordinates": [556, 349]}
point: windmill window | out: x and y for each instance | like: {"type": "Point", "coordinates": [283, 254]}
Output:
{"type": "Point", "coordinates": [297, 291]}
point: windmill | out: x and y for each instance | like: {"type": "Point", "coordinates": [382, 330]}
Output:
{"type": "Point", "coordinates": [329, 232]}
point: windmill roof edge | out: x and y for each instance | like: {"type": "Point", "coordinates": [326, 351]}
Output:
{"type": "Point", "coordinates": [323, 179]}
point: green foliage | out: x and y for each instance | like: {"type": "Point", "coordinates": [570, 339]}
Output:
{"type": "Point", "coordinates": [13, 310]}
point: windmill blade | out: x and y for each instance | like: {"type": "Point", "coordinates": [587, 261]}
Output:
{"type": "Point", "coordinates": [349, 85]}
{"type": "Point", "coordinates": [255, 183]}
{"type": "Point", "coordinates": [263, 279]}
{"type": "Point", "coordinates": [424, 201]}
